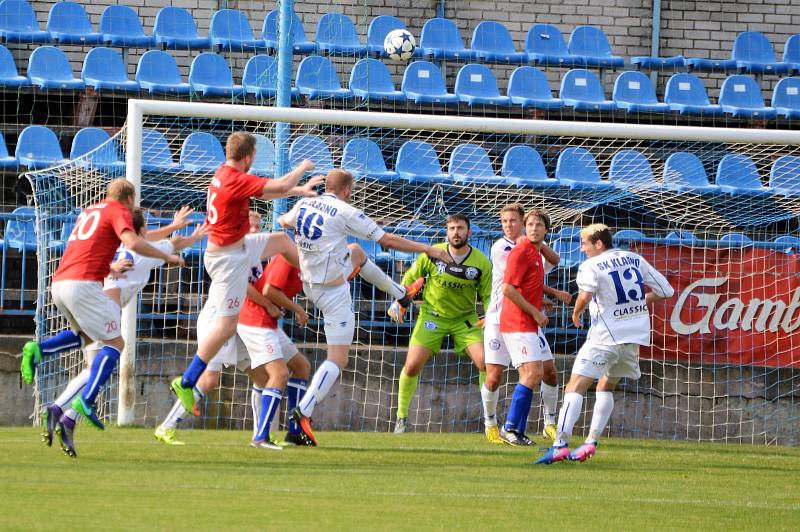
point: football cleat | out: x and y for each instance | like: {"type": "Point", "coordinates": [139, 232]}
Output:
{"type": "Point", "coordinates": [583, 453]}
{"type": "Point", "coordinates": [168, 436]}
{"type": "Point", "coordinates": [550, 432]}
{"type": "Point", "coordinates": [304, 422]}
{"type": "Point", "coordinates": [90, 413]}
{"type": "Point", "coordinates": [50, 417]}
{"type": "Point", "coordinates": [185, 395]}
{"type": "Point", "coordinates": [554, 454]}
{"type": "Point", "coordinates": [397, 309]}
{"type": "Point", "coordinates": [31, 357]}
{"type": "Point", "coordinates": [400, 425]}
{"type": "Point", "coordinates": [511, 437]}
{"type": "Point", "coordinates": [493, 434]}
{"type": "Point", "coordinates": [266, 444]}
{"type": "Point", "coordinates": [524, 439]}
{"type": "Point", "coordinates": [296, 438]}
{"type": "Point", "coordinates": [65, 429]}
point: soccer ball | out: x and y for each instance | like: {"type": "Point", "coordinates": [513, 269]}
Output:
{"type": "Point", "coordinates": [399, 45]}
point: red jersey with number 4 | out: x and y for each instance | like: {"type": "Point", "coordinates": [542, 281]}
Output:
{"type": "Point", "coordinates": [282, 276]}
{"type": "Point", "coordinates": [525, 272]}
{"type": "Point", "coordinates": [228, 204]}
{"type": "Point", "coordinates": [93, 242]}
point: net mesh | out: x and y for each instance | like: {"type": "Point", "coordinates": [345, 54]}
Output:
{"type": "Point", "coordinates": [722, 365]}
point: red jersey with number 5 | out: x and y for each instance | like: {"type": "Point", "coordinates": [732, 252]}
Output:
{"type": "Point", "coordinates": [93, 242]}
{"type": "Point", "coordinates": [525, 272]}
{"type": "Point", "coordinates": [228, 204]}
{"type": "Point", "coordinates": [283, 276]}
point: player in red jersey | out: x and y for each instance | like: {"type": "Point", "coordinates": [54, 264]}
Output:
{"type": "Point", "coordinates": [520, 319]}
{"type": "Point", "coordinates": [77, 290]}
{"type": "Point", "coordinates": [226, 258]}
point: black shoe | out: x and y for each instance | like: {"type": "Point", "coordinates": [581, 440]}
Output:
{"type": "Point", "coordinates": [66, 431]}
{"type": "Point", "coordinates": [511, 437]}
{"type": "Point", "coordinates": [524, 440]}
{"type": "Point", "coordinates": [297, 438]}
{"type": "Point", "coordinates": [50, 417]}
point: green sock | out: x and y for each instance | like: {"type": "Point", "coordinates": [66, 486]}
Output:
{"type": "Point", "coordinates": [406, 389]}
{"type": "Point", "coordinates": [481, 379]}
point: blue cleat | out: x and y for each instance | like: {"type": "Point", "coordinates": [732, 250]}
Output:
{"type": "Point", "coordinates": [554, 454]}
{"type": "Point", "coordinates": [89, 412]}
{"type": "Point", "coordinates": [66, 430]}
{"type": "Point", "coordinates": [50, 417]}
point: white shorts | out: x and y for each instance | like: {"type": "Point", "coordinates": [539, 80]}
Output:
{"type": "Point", "coordinates": [87, 309]}
{"type": "Point", "coordinates": [232, 351]}
{"type": "Point", "coordinates": [265, 345]}
{"type": "Point", "coordinates": [496, 348]}
{"type": "Point", "coordinates": [336, 306]}
{"type": "Point", "coordinates": [524, 347]}
{"type": "Point", "coordinates": [615, 361]}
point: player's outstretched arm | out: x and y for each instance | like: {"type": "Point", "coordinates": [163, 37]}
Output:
{"type": "Point", "coordinates": [283, 186]}
{"type": "Point", "coordinates": [179, 221]}
{"type": "Point", "coordinates": [279, 298]}
{"type": "Point", "coordinates": [138, 244]}
{"type": "Point", "coordinates": [561, 295]}
{"type": "Point", "coordinates": [392, 241]}
{"type": "Point", "coordinates": [510, 291]}
{"type": "Point", "coordinates": [257, 297]}
{"type": "Point", "coordinates": [584, 298]}
{"type": "Point", "coordinates": [549, 255]}
{"type": "Point", "coordinates": [182, 242]}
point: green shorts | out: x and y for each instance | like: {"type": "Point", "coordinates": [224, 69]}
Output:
{"type": "Point", "coordinates": [430, 331]}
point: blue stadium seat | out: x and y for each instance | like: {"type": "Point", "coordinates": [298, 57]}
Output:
{"type": "Point", "coordinates": [9, 76]}
{"type": "Point", "coordinates": [423, 83]}
{"type": "Point", "coordinates": [590, 44]}
{"type": "Point", "coordinates": [737, 174]}
{"type": "Point", "coordinates": [18, 23]}
{"type": "Point", "coordinates": [417, 162]}
{"type": "Point", "coordinates": [377, 31]}
{"type": "Point", "coordinates": [710, 65]}
{"type": "Point", "coordinates": [625, 237]}
{"type": "Point", "coordinates": [741, 97]}
{"type": "Point", "coordinates": [317, 79]}
{"type": "Point", "coordinates": [38, 147]}
{"type": "Point", "coordinates": [577, 169]}
{"type": "Point", "coordinates": [104, 69]}
{"type": "Point", "coordinates": [49, 68]}
{"type": "Point", "coordinates": [686, 94]}
{"type": "Point", "coordinates": [658, 63]}
{"type": "Point", "coordinates": [68, 23]}
{"type": "Point", "coordinates": [337, 35]}
{"type": "Point", "coordinates": [104, 153]}
{"type": "Point", "coordinates": [545, 45]}
{"type": "Point", "coordinates": [156, 154]}
{"type": "Point", "coordinates": [314, 148]}
{"type": "Point", "coordinates": [475, 84]}
{"type": "Point", "coordinates": [735, 240]}
{"type": "Point", "coordinates": [754, 54]}
{"type": "Point", "coordinates": [176, 29]}
{"type": "Point", "coordinates": [370, 80]}
{"type": "Point", "coordinates": [157, 73]}
{"type": "Point", "coordinates": [20, 232]}
{"type": "Point", "coordinates": [210, 76]}
{"type": "Point", "coordinates": [784, 176]}
{"type": "Point", "coordinates": [523, 167]}
{"type": "Point", "coordinates": [230, 31]}
{"type": "Point", "coordinates": [440, 39]}
{"type": "Point", "coordinates": [300, 43]}
{"type": "Point", "coordinates": [567, 244]}
{"type": "Point", "coordinates": [260, 77]}
{"type": "Point", "coordinates": [470, 164]}
{"type": "Point", "coordinates": [684, 172]}
{"type": "Point", "coordinates": [681, 238]}
{"type": "Point", "coordinates": [7, 162]}
{"type": "Point", "coordinates": [528, 87]}
{"type": "Point", "coordinates": [492, 42]}
{"type": "Point", "coordinates": [581, 89]}
{"type": "Point", "coordinates": [264, 162]}
{"type": "Point", "coordinates": [120, 26]}
{"type": "Point", "coordinates": [630, 169]}
{"type": "Point", "coordinates": [791, 52]}
{"type": "Point", "coordinates": [789, 244]}
{"type": "Point", "coordinates": [634, 92]}
{"type": "Point", "coordinates": [364, 158]}
{"type": "Point", "coordinates": [201, 153]}
{"type": "Point", "coordinates": [786, 98]}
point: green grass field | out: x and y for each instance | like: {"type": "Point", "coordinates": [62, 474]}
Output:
{"type": "Point", "coordinates": [124, 479]}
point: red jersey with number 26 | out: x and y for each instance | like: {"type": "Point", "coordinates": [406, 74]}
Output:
{"type": "Point", "coordinates": [93, 242]}
{"type": "Point", "coordinates": [283, 276]}
{"type": "Point", "coordinates": [228, 204]}
{"type": "Point", "coordinates": [525, 272]}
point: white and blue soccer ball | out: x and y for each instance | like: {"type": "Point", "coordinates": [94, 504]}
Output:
{"type": "Point", "coordinates": [399, 45]}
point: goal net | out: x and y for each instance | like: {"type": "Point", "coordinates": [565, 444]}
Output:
{"type": "Point", "coordinates": [714, 209]}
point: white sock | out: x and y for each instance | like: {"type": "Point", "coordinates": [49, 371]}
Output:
{"type": "Point", "coordinates": [72, 414]}
{"type": "Point", "coordinates": [320, 385]}
{"type": "Point", "coordinates": [489, 399]}
{"type": "Point", "coordinates": [570, 411]}
{"type": "Point", "coordinates": [603, 406]}
{"type": "Point", "coordinates": [73, 388]}
{"type": "Point", "coordinates": [176, 414]}
{"type": "Point", "coordinates": [375, 276]}
{"type": "Point", "coordinates": [255, 405]}
{"type": "Point", "coordinates": [550, 402]}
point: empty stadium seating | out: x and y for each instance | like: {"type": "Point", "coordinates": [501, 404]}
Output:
{"type": "Point", "coordinates": [317, 79]}
{"type": "Point", "coordinates": [737, 174]}
{"type": "Point", "coordinates": [230, 30]}
{"type": "Point", "coordinates": [754, 54]}
{"type": "Point", "coordinates": [370, 80]}
{"type": "Point", "coordinates": [175, 28]}
{"type": "Point", "coordinates": [336, 34]}
{"type": "Point", "coordinates": [156, 154]}
{"type": "Point", "coordinates": [157, 73]}
{"type": "Point", "coordinates": [102, 156]}
{"type": "Point", "coordinates": [423, 83]}
{"type": "Point", "coordinates": [264, 161]}
{"type": "Point", "coordinates": [686, 94]}
{"type": "Point", "coordinates": [581, 89]}
{"type": "Point", "coordinates": [9, 75]}
{"type": "Point", "coordinates": [528, 87]}
{"type": "Point", "coordinates": [630, 170]}
{"type": "Point", "coordinates": [786, 98]}
{"type": "Point", "coordinates": [492, 42]}
{"type": "Point", "coordinates": [314, 148]}
{"type": "Point", "coordinates": [68, 23]}
{"type": "Point", "coordinates": [440, 39]}
{"type": "Point", "coordinates": [201, 153]}
{"type": "Point", "coordinates": [784, 176]}
{"type": "Point", "coordinates": [260, 76]}
{"type": "Point", "coordinates": [18, 23]}
{"type": "Point", "coordinates": [523, 166]}
{"type": "Point", "coordinates": [470, 164]}
{"type": "Point", "coordinates": [475, 84]}
{"type": "Point", "coordinates": [104, 69]}
{"type": "Point", "coordinates": [577, 168]}
{"type": "Point", "coordinates": [120, 26]}
{"type": "Point", "coordinates": [49, 68]}
{"type": "Point", "coordinates": [545, 45]}
{"type": "Point", "coordinates": [684, 172]}
{"type": "Point", "coordinates": [590, 45]}
{"type": "Point", "coordinates": [634, 92]}
{"type": "Point", "coordinates": [741, 97]}
{"type": "Point", "coordinates": [7, 162]}
{"type": "Point", "coordinates": [364, 158]}
{"type": "Point", "coordinates": [300, 43]}
{"type": "Point", "coordinates": [210, 76]}
{"type": "Point", "coordinates": [38, 147]}
{"type": "Point", "coordinates": [417, 162]}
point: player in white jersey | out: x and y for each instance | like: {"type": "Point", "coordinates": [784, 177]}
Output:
{"type": "Point", "coordinates": [497, 354]}
{"type": "Point", "coordinates": [322, 226]}
{"type": "Point", "coordinates": [612, 285]}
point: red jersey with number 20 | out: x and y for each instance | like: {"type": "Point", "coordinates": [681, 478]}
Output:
{"type": "Point", "coordinates": [525, 272]}
{"type": "Point", "coordinates": [93, 242]}
{"type": "Point", "coordinates": [283, 276]}
{"type": "Point", "coordinates": [228, 204]}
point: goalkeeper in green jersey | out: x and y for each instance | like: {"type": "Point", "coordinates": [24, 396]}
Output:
{"type": "Point", "coordinates": [448, 308]}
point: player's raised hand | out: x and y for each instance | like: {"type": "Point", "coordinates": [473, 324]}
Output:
{"type": "Point", "coordinates": [119, 268]}
{"type": "Point", "coordinates": [181, 218]}
{"type": "Point", "coordinates": [200, 231]}
{"type": "Point", "coordinates": [564, 297]}
{"type": "Point", "coordinates": [439, 254]}
{"type": "Point", "coordinates": [175, 260]}
{"type": "Point", "coordinates": [577, 319]}
{"type": "Point", "coordinates": [308, 188]}
{"type": "Point", "coordinates": [541, 318]}
{"type": "Point", "coordinates": [301, 317]}
{"type": "Point", "coordinates": [306, 166]}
